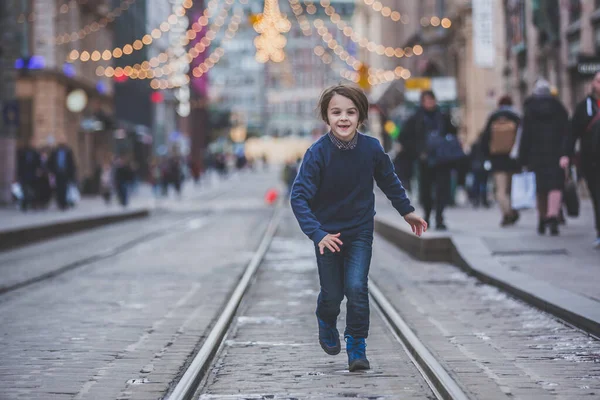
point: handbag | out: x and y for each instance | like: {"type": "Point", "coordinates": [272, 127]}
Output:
{"type": "Point", "coordinates": [73, 195]}
{"type": "Point", "coordinates": [443, 149]}
{"type": "Point", "coordinates": [522, 194]}
{"type": "Point", "coordinates": [570, 197]}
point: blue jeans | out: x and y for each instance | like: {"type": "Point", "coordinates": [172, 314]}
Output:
{"type": "Point", "coordinates": [342, 274]}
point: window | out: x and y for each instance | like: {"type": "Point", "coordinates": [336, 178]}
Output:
{"type": "Point", "coordinates": [574, 10]}
{"type": "Point", "coordinates": [597, 37]}
{"type": "Point", "coordinates": [573, 48]}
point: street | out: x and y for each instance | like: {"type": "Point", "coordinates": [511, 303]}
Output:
{"type": "Point", "coordinates": [141, 297]}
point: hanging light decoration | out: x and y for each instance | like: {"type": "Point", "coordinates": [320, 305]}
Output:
{"type": "Point", "coordinates": [270, 25]}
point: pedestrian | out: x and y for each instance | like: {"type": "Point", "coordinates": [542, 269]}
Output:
{"type": "Point", "coordinates": [544, 149]}
{"type": "Point", "coordinates": [62, 166]}
{"type": "Point", "coordinates": [584, 127]}
{"type": "Point", "coordinates": [28, 169]}
{"type": "Point", "coordinates": [123, 176]}
{"type": "Point", "coordinates": [290, 170]}
{"type": "Point", "coordinates": [333, 201]}
{"type": "Point", "coordinates": [426, 122]}
{"type": "Point", "coordinates": [479, 170]}
{"type": "Point", "coordinates": [499, 139]}
{"type": "Point", "coordinates": [43, 185]}
{"type": "Point", "coordinates": [106, 181]}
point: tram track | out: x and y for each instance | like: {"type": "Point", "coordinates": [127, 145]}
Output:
{"type": "Point", "coordinates": [195, 376]}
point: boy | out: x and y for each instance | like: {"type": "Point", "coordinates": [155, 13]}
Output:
{"type": "Point", "coordinates": [333, 201]}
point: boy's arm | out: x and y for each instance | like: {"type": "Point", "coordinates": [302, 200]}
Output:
{"type": "Point", "coordinates": [304, 190]}
{"type": "Point", "coordinates": [388, 182]}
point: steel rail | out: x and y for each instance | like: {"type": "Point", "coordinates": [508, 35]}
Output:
{"type": "Point", "coordinates": [441, 383]}
{"type": "Point", "coordinates": [187, 385]}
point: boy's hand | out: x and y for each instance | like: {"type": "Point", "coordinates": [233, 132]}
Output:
{"type": "Point", "coordinates": [417, 223]}
{"type": "Point", "coordinates": [331, 241]}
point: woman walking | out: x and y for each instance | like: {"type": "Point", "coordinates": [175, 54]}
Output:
{"type": "Point", "coordinates": [544, 149]}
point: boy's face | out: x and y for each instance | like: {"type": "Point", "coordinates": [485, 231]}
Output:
{"type": "Point", "coordinates": [342, 115]}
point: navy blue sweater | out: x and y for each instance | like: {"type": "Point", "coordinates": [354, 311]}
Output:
{"type": "Point", "coordinates": [333, 191]}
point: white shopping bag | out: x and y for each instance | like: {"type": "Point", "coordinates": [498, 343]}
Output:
{"type": "Point", "coordinates": [522, 193]}
{"type": "Point", "coordinates": [73, 195]}
{"type": "Point", "coordinates": [17, 190]}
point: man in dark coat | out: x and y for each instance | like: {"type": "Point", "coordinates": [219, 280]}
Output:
{"type": "Point", "coordinates": [497, 142]}
{"type": "Point", "coordinates": [425, 121]}
{"type": "Point", "coordinates": [28, 166]}
{"type": "Point", "coordinates": [544, 150]}
{"type": "Point", "coordinates": [585, 111]}
{"type": "Point", "coordinates": [62, 164]}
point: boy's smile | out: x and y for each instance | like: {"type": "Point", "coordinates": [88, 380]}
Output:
{"type": "Point", "coordinates": [342, 115]}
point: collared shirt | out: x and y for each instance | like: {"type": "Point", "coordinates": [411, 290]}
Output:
{"type": "Point", "coordinates": [340, 144]}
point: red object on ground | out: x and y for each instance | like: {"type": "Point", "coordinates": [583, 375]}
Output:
{"type": "Point", "coordinates": [157, 97]}
{"type": "Point", "coordinates": [271, 196]}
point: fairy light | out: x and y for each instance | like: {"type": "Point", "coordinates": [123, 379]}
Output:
{"type": "Point", "coordinates": [63, 9]}
{"type": "Point", "coordinates": [93, 26]}
{"type": "Point", "coordinates": [385, 11]}
{"type": "Point", "coordinates": [212, 60]}
{"type": "Point", "coordinates": [127, 49]}
{"type": "Point", "coordinates": [376, 76]}
{"type": "Point", "coordinates": [363, 42]}
{"type": "Point", "coordinates": [270, 26]}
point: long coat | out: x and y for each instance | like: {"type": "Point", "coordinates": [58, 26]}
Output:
{"type": "Point", "coordinates": [545, 140]}
{"type": "Point", "coordinates": [414, 133]}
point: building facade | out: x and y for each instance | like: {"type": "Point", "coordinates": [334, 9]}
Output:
{"type": "Point", "coordinates": [61, 101]}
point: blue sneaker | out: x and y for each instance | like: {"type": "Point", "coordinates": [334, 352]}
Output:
{"type": "Point", "coordinates": [329, 338]}
{"type": "Point", "coordinates": [357, 353]}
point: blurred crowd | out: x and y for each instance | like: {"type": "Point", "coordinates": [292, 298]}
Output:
{"type": "Point", "coordinates": [544, 148]}
{"type": "Point", "coordinates": [51, 173]}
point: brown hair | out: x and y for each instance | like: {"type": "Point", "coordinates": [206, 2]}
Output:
{"type": "Point", "coordinates": [353, 92]}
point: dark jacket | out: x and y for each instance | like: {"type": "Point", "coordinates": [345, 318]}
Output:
{"type": "Point", "coordinates": [68, 171]}
{"type": "Point", "coordinates": [500, 162]}
{"type": "Point", "coordinates": [584, 113]}
{"type": "Point", "coordinates": [414, 133]}
{"type": "Point", "coordinates": [544, 140]}
{"type": "Point", "coordinates": [28, 164]}
{"type": "Point", "coordinates": [333, 191]}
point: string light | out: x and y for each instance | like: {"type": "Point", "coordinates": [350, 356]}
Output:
{"type": "Point", "coordinates": [127, 49]}
{"type": "Point", "coordinates": [212, 60]}
{"type": "Point", "coordinates": [301, 18]}
{"type": "Point", "coordinates": [362, 41]}
{"type": "Point", "coordinates": [376, 76]}
{"type": "Point", "coordinates": [270, 26]}
{"type": "Point", "coordinates": [386, 11]}
{"type": "Point", "coordinates": [63, 9]}
{"type": "Point", "coordinates": [92, 26]}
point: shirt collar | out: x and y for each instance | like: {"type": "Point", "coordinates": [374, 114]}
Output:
{"type": "Point", "coordinates": [340, 144]}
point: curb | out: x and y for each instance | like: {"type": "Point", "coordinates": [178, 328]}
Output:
{"type": "Point", "coordinates": [14, 238]}
{"type": "Point", "coordinates": [472, 255]}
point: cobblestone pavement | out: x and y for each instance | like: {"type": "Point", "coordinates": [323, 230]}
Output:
{"type": "Point", "coordinates": [272, 351]}
{"type": "Point", "coordinates": [568, 261]}
{"type": "Point", "coordinates": [496, 347]}
{"type": "Point", "coordinates": [123, 327]}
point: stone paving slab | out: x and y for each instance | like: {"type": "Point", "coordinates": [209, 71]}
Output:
{"type": "Point", "coordinates": [496, 347]}
{"type": "Point", "coordinates": [273, 352]}
{"type": "Point", "coordinates": [124, 327]}
{"type": "Point", "coordinates": [565, 283]}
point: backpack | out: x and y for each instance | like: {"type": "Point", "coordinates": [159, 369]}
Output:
{"type": "Point", "coordinates": [503, 134]}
